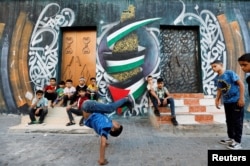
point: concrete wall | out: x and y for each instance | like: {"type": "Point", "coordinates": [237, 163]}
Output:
{"type": "Point", "coordinates": [31, 32]}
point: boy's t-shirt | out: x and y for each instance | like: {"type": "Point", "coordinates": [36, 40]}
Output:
{"type": "Point", "coordinates": [41, 103]}
{"type": "Point", "coordinates": [49, 87]}
{"type": "Point", "coordinates": [227, 82]}
{"type": "Point", "coordinates": [161, 93]}
{"type": "Point", "coordinates": [80, 101]}
{"type": "Point", "coordinates": [70, 90]}
{"type": "Point", "coordinates": [60, 92]}
{"type": "Point", "coordinates": [100, 123]}
{"type": "Point", "coordinates": [92, 88]}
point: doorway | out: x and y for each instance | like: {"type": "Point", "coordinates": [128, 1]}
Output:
{"type": "Point", "coordinates": [78, 55]}
{"type": "Point", "coordinates": [180, 60]}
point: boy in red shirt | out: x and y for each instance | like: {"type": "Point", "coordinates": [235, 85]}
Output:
{"type": "Point", "coordinates": [77, 111]}
{"type": "Point", "coordinates": [50, 90]}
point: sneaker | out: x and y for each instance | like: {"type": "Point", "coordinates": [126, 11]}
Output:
{"type": "Point", "coordinates": [174, 121]}
{"type": "Point", "coordinates": [32, 122]}
{"type": "Point", "coordinates": [226, 141]}
{"type": "Point", "coordinates": [234, 146]}
{"type": "Point", "coordinates": [70, 123]}
{"type": "Point", "coordinates": [157, 113]}
{"type": "Point", "coordinates": [81, 123]}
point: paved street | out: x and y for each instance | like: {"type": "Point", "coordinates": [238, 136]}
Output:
{"type": "Point", "coordinates": [139, 145]}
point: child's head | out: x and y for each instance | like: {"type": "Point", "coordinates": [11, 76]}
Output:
{"type": "Point", "coordinates": [61, 84]}
{"type": "Point", "coordinates": [244, 62]}
{"type": "Point", "coordinates": [52, 81]}
{"type": "Point", "coordinates": [39, 94]}
{"type": "Point", "coordinates": [217, 66]}
{"type": "Point", "coordinates": [160, 83]}
{"type": "Point", "coordinates": [149, 79]}
{"type": "Point", "coordinates": [116, 129]}
{"type": "Point", "coordinates": [93, 80]}
{"type": "Point", "coordinates": [69, 83]}
{"type": "Point", "coordinates": [82, 92]}
{"type": "Point", "coordinates": [82, 81]}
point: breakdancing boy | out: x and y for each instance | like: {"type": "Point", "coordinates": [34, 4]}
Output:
{"type": "Point", "coordinates": [94, 117]}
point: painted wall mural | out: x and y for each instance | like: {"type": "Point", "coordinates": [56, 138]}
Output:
{"type": "Point", "coordinates": [127, 49]}
{"type": "Point", "coordinates": [44, 45]}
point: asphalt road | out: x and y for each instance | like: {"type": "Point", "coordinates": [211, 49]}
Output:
{"type": "Point", "coordinates": [139, 145]}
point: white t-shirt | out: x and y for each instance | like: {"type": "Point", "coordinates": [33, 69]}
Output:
{"type": "Point", "coordinates": [70, 90]}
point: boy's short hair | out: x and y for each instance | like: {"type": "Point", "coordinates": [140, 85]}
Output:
{"type": "Point", "coordinates": [39, 92]}
{"type": "Point", "coordinates": [159, 80]}
{"type": "Point", "coordinates": [216, 62]}
{"type": "Point", "coordinates": [69, 80]}
{"type": "Point", "coordinates": [92, 78]}
{"type": "Point", "coordinates": [61, 83]}
{"type": "Point", "coordinates": [82, 89]}
{"type": "Point", "coordinates": [244, 57]}
{"type": "Point", "coordinates": [117, 132]}
{"type": "Point", "coordinates": [53, 78]}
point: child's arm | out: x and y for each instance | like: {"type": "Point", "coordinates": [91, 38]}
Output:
{"type": "Point", "coordinates": [241, 101]}
{"type": "Point", "coordinates": [102, 160]}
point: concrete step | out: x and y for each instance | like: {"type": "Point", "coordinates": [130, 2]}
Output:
{"type": "Point", "coordinates": [54, 122]}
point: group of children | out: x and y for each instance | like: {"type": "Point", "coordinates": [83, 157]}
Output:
{"type": "Point", "coordinates": [65, 94]}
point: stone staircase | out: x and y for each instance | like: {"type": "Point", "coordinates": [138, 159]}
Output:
{"type": "Point", "coordinates": [193, 108]}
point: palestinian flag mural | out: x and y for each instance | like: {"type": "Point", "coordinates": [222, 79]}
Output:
{"type": "Point", "coordinates": [127, 57]}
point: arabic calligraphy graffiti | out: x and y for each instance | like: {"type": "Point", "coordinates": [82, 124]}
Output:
{"type": "Point", "coordinates": [43, 50]}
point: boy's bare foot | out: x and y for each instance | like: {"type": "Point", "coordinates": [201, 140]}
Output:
{"type": "Point", "coordinates": [105, 162]}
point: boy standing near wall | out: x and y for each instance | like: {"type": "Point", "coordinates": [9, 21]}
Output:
{"type": "Point", "coordinates": [231, 89]}
{"type": "Point", "coordinates": [244, 62]}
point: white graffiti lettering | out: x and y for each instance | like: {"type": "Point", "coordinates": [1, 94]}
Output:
{"type": "Point", "coordinates": [43, 50]}
{"type": "Point", "coordinates": [212, 42]}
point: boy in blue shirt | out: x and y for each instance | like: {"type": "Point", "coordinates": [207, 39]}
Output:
{"type": "Point", "coordinates": [39, 107]}
{"type": "Point", "coordinates": [94, 117]}
{"type": "Point", "coordinates": [102, 126]}
{"type": "Point", "coordinates": [231, 89]}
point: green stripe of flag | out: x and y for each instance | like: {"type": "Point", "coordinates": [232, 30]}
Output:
{"type": "Point", "coordinates": [137, 93]}
{"type": "Point", "coordinates": [117, 35]}
{"type": "Point", "coordinates": [123, 68]}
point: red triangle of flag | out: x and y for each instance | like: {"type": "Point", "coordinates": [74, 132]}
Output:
{"type": "Point", "coordinates": [117, 94]}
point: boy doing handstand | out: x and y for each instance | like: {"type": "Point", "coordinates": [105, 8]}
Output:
{"type": "Point", "coordinates": [94, 117]}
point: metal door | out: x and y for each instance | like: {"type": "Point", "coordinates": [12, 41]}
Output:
{"type": "Point", "coordinates": [180, 63]}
